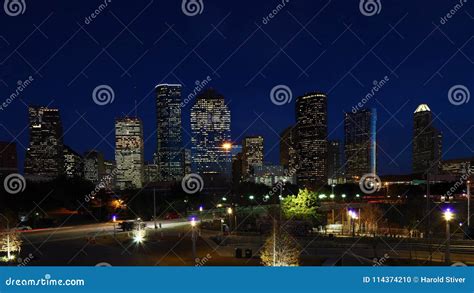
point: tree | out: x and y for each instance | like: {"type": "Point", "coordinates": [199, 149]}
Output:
{"type": "Point", "coordinates": [10, 242]}
{"type": "Point", "coordinates": [303, 206]}
{"type": "Point", "coordinates": [280, 250]}
{"type": "Point", "coordinates": [372, 215]}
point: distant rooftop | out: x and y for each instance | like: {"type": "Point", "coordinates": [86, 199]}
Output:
{"type": "Point", "coordinates": [423, 108]}
{"type": "Point", "coordinates": [167, 84]}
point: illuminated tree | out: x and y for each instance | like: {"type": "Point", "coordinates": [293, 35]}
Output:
{"type": "Point", "coordinates": [280, 250]}
{"type": "Point", "coordinates": [303, 206]}
{"type": "Point", "coordinates": [372, 215]}
{"type": "Point", "coordinates": [10, 242]}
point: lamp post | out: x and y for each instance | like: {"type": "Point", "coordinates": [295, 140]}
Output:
{"type": "Point", "coordinates": [468, 204]}
{"type": "Point", "coordinates": [448, 216]}
{"type": "Point", "coordinates": [193, 236]}
{"type": "Point", "coordinates": [154, 208]}
{"type": "Point", "coordinates": [229, 213]}
{"type": "Point", "coordinates": [353, 216]}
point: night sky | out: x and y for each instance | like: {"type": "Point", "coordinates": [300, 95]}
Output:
{"type": "Point", "coordinates": [309, 45]}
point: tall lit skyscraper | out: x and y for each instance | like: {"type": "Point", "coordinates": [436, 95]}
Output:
{"type": "Point", "coordinates": [44, 156]}
{"type": "Point", "coordinates": [129, 155]}
{"type": "Point", "coordinates": [360, 143]}
{"type": "Point", "coordinates": [252, 155]}
{"type": "Point", "coordinates": [210, 126]}
{"type": "Point", "coordinates": [311, 139]}
{"type": "Point", "coordinates": [169, 144]}
{"type": "Point", "coordinates": [427, 142]}
{"type": "Point", "coordinates": [94, 168]}
{"type": "Point", "coordinates": [73, 163]}
{"type": "Point", "coordinates": [335, 169]}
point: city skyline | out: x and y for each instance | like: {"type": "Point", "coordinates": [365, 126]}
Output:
{"type": "Point", "coordinates": [348, 76]}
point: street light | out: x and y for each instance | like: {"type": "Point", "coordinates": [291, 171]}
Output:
{"type": "Point", "coordinates": [227, 146]}
{"type": "Point", "coordinates": [251, 197]}
{"type": "Point", "coordinates": [468, 204]}
{"type": "Point", "coordinates": [193, 236]}
{"type": "Point", "coordinates": [448, 216]}
{"type": "Point", "coordinates": [353, 215]}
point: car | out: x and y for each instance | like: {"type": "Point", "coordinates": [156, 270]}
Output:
{"type": "Point", "coordinates": [23, 228]}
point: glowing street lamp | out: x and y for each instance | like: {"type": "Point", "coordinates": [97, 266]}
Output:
{"type": "Point", "coordinates": [448, 216]}
{"type": "Point", "coordinates": [353, 215]}
{"type": "Point", "coordinates": [343, 196]}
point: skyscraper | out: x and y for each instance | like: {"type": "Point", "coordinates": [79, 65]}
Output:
{"type": "Point", "coordinates": [335, 169]}
{"type": "Point", "coordinates": [360, 143]}
{"type": "Point", "coordinates": [287, 149]}
{"type": "Point", "coordinates": [8, 158]}
{"type": "Point", "coordinates": [311, 139]}
{"type": "Point", "coordinates": [94, 168]}
{"type": "Point", "coordinates": [73, 163]}
{"type": "Point", "coordinates": [169, 144]}
{"type": "Point", "coordinates": [210, 127]}
{"type": "Point", "coordinates": [252, 155]}
{"type": "Point", "coordinates": [129, 155]}
{"type": "Point", "coordinates": [44, 156]}
{"type": "Point", "coordinates": [427, 142]}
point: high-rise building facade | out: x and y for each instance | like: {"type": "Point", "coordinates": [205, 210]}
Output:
{"type": "Point", "coordinates": [44, 156]}
{"type": "Point", "coordinates": [169, 143]}
{"type": "Point", "coordinates": [210, 127]}
{"type": "Point", "coordinates": [186, 157]}
{"type": "Point", "coordinates": [129, 155]}
{"type": "Point", "coordinates": [335, 168]}
{"type": "Point", "coordinates": [8, 158]}
{"type": "Point", "coordinates": [360, 143]}
{"type": "Point", "coordinates": [151, 173]}
{"type": "Point", "coordinates": [427, 142]}
{"type": "Point", "coordinates": [252, 155]}
{"type": "Point", "coordinates": [94, 168]}
{"type": "Point", "coordinates": [311, 140]}
{"type": "Point", "coordinates": [287, 149]}
{"type": "Point", "coordinates": [73, 163]}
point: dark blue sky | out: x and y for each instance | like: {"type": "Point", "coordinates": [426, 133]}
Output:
{"type": "Point", "coordinates": [340, 51]}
